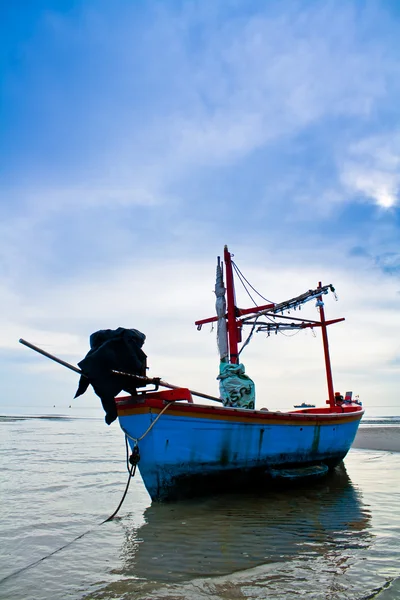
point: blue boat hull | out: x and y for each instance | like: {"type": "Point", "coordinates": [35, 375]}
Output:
{"type": "Point", "coordinates": [195, 449]}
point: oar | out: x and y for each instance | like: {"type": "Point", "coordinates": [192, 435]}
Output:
{"type": "Point", "coordinates": [146, 380]}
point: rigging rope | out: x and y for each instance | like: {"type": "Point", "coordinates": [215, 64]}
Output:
{"type": "Point", "coordinates": [247, 341]}
{"type": "Point", "coordinates": [136, 440]}
{"type": "Point", "coordinates": [289, 304]}
{"type": "Point", "coordinates": [238, 271]}
{"type": "Point", "coordinates": [289, 334]}
{"type": "Point", "coordinates": [241, 278]}
{"type": "Point", "coordinates": [277, 330]}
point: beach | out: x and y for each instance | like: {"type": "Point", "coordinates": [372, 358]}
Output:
{"type": "Point", "coordinates": [375, 437]}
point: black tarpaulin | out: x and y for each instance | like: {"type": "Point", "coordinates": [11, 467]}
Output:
{"type": "Point", "coordinates": [118, 350]}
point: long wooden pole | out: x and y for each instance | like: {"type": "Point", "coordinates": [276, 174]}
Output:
{"type": "Point", "coordinates": [199, 394]}
{"type": "Point", "coordinates": [146, 380]}
{"type": "Point", "coordinates": [158, 381]}
{"type": "Point", "coordinates": [51, 356]}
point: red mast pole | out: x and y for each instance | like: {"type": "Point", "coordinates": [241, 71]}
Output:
{"type": "Point", "coordinates": [326, 351]}
{"type": "Point", "coordinates": [230, 296]}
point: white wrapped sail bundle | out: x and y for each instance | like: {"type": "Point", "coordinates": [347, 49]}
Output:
{"type": "Point", "coordinates": [220, 306]}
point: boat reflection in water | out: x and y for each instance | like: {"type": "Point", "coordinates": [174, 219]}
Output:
{"type": "Point", "coordinates": [227, 533]}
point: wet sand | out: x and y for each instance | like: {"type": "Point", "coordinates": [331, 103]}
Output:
{"type": "Point", "coordinates": [378, 438]}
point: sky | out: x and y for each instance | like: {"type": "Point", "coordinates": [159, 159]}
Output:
{"type": "Point", "coordinates": [137, 137]}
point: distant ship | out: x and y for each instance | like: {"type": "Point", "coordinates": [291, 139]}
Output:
{"type": "Point", "coordinates": [304, 405]}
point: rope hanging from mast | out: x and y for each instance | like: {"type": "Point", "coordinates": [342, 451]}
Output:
{"type": "Point", "coordinates": [241, 277]}
{"type": "Point", "coordinates": [273, 326]}
{"type": "Point", "coordinates": [274, 321]}
{"type": "Point", "coordinates": [231, 318]}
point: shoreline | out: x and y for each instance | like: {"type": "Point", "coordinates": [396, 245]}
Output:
{"type": "Point", "coordinates": [378, 438]}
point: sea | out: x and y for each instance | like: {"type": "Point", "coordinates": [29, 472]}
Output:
{"type": "Point", "coordinates": [63, 475]}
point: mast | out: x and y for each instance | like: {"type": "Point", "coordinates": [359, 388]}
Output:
{"type": "Point", "coordinates": [328, 368]}
{"type": "Point", "coordinates": [233, 337]}
{"type": "Point", "coordinates": [234, 318]}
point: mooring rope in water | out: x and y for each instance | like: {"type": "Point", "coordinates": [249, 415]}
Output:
{"type": "Point", "coordinates": [131, 474]}
{"type": "Point", "coordinates": [134, 459]}
{"type": "Point", "coordinates": [36, 562]}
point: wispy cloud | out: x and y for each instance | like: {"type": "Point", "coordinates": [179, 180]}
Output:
{"type": "Point", "coordinates": [372, 169]}
{"type": "Point", "coordinates": [249, 80]}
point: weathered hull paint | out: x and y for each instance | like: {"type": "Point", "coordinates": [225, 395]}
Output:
{"type": "Point", "coordinates": [196, 449]}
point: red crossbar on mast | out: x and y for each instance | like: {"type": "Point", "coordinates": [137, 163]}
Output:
{"type": "Point", "coordinates": [231, 312]}
{"type": "Point", "coordinates": [239, 312]}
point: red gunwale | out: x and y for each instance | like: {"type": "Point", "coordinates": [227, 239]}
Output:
{"type": "Point", "coordinates": [140, 405]}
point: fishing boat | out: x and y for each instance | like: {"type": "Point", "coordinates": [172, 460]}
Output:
{"type": "Point", "coordinates": [185, 448]}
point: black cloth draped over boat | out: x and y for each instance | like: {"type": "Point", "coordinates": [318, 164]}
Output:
{"type": "Point", "coordinates": [118, 350]}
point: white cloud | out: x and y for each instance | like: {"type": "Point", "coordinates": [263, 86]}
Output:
{"type": "Point", "coordinates": [372, 169]}
{"type": "Point", "coordinates": [252, 80]}
{"type": "Point", "coordinates": [267, 77]}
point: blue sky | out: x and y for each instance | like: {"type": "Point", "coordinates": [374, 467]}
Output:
{"type": "Point", "coordinates": [138, 137]}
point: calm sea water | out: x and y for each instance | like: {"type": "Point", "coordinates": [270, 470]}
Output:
{"type": "Point", "coordinates": [61, 477]}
